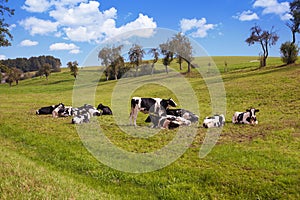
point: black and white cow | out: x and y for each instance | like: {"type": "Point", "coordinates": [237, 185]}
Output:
{"type": "Point", "coordinates": [169, 121]}
{"type": "Point", "coordinates": [247, 117]}
{"type": "Point", "coordinates": [55, 112]}
{"type": "Point", "coordinates": [84, 113]}
{"type": "Point", "coordinates": [47, 110]}
{"type": "Point", "coordinates": [214, 121]}
{"type": "Point", "coordinates": [105, 109]}
{"type": "Point", "coordinates": [186, 114]}
{"type": "Point", "coordinates": [157, 106]}
{"type": "Point", "coordinates": [67, 111]}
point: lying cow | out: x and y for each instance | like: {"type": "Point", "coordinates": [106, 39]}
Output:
{"type": "Point", "coordinates": [169, 122]}
{"type": "Point", "coordinates": [214, 121]}
{"type": "Point", "coordinates": [149, 105]}
{"type": "Point", "coordinates": [55, 112]}
{"type": "Point", "coordinates": [186, 114]}
{"type": "Point", "coordinates": [84, 113]}
{"type": "Point", "coordinates": [247, 117]}
{"type": "Point", "coordinates": [67, 111]}
{"type": "Point", "coordinates": [48, 109]}
{"type": "Point", "coordinates": [105, 109]}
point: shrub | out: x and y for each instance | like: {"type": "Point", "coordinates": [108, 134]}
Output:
{"type": "Point", "coordinates": [289, 52]}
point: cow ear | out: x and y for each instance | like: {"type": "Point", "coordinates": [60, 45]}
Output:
{"type": "Point", "coordinates": [256, 110]}
{"type": "Point", "coordinates": [248, 110]}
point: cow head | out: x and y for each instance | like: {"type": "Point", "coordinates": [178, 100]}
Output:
{"type": "Point", "coordinates": [252, 116]}
{"type": "Point", "coordinates": [168, 102]}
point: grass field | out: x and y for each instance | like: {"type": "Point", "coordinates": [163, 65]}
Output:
{"type": "Point", "coordinates": [44, 158]}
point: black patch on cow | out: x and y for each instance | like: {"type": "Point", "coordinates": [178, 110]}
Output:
{"type": "Point", "coordinates": [105, 109]}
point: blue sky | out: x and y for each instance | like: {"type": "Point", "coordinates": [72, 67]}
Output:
{"type": "Point", "coordinates": [70, 29]}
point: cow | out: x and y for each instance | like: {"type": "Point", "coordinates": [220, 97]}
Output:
{"type": "Point", "coordinates": [105, 109]}
{"type": "Point", "coordinates": [247, 117]}
{"type": "Point", "coordinates": [149, 105]}
{"type": "Point", "coordinates": [214, 121]}
{"type": "Point", "coordinates": [180, 113]}
{"type": "Point", "coordinates": [47, 110]}
{"type": "Point", "coordinates": [66, 111]}
{"type": "Point", "coordinates": [57, 110]}
{"type": "Point", "coordinates": [169, 121]}
{"type": "Point", "coordinates": [84, 117]}
{"type": "Point", "coordinates": [84, 113]}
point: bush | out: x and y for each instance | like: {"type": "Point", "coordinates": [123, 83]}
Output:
{"type": "Point", "coordinates": [289, 52]}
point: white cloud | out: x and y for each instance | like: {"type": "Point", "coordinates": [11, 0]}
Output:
{"type": "Point", "coordinates": [3, 57]}
{"type": "Point", "coordinates": [274, 7]}
{"type": "Point", "coordinates": [26, 43]}
{"type": "Point", "coordinates": [197, 28]}
{"type": "Point", "coordinates": [36, 5]}
{"type": "Point", "coordinates": [82, 21]}
{"type": "Point", "coordinates": [39, 26]}
{"type": "Point", "coordinates": [72, 48]}
{"type": "Point", "coordinates": [246, 16]}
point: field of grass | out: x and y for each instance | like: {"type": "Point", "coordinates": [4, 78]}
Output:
{"type": "Point", "coordinates": [44, 158]}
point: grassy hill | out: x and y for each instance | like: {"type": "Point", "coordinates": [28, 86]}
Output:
{"type": "Point", "coordinates": [44, 158]}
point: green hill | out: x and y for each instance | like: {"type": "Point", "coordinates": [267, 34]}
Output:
{"type": "Point", "coordinates": [44, 158]}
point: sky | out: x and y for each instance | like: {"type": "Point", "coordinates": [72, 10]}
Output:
{"type": "Point", "coordinates": [71, 29]}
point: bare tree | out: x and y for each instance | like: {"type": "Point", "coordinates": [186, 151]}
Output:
{"type": "Point", "coordinates": [265, 38]}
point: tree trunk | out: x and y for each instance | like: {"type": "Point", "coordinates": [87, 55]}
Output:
{"type": "Point", "coordinates": [167, 70]}
{"type": "Point", "coordinates": [189, 67]}
{"type": "Point", "coordinates": [152, 70]}
{"type": "Point", "coordinates": [294, 37]}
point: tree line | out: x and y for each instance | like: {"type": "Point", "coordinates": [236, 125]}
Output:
{"type": "Point", "coordinates": [33, 63]}
{"type": "Point", "coordinates": [178, 47]}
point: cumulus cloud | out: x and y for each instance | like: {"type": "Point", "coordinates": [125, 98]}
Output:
{"type": "Point", "coordinates": [246, 16]}
{"type": "Point", "coordinates": [197, 28]}
{"type": "Point", "coordinates": [82, 21]}
{"type": "Point", "coordinates": [39, 26]}
{"type": "Point", "coordinates": [26, 43]}
{"type": "Point", "coordinates": [72, 48]}
{"type": "Point", "coordinates": [2, 57]}
{"type": "Point", "coordinates": [36, 5]}
{"type": "Point", "coordinates": [274, 7]}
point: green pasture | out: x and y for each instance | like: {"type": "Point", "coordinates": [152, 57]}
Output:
{"type": "Point", "coordinates": [44, 158]}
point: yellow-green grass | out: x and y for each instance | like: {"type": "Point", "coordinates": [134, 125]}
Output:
{"type": "Point", "coordinates": [43, 157]}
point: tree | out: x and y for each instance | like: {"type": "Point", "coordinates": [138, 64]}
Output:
{"type": "Point", "coordinates": [265, 38]}
{"type": "Point", "coordinates": [112, 60]}
{"type": "Point", "coordinates": [154, 52]}
{"type": "Point", "coordinates": [13, 74]}
{"type": "Point", "coordinates": [4, 27]}
{"type": "Point", "coordinates": [136, 54]}
{"type": "Point", "coordinates": [294, 24]}
{"type": "Point", "coordinates": [182, 48]}
{"type": "Point", "coordinates": [165, 49]}
{"type": "Point", "coordinates": [73, 66]}
{"type": "Point", "coordinates": [289, 52]}
{"type": "Point", "coordinates": [44, 70]}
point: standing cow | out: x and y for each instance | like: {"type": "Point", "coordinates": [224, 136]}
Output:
{"type": "Point", "coordinates": [156, 106]}
{"type": "Point", "coordinates": [247, 117]}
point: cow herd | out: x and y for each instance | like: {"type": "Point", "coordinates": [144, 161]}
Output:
{"type": "Point", "coordinates": [159, 111]}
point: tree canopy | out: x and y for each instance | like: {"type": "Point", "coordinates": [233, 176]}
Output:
{"type": "Point", "coordinates": [5, 34]}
